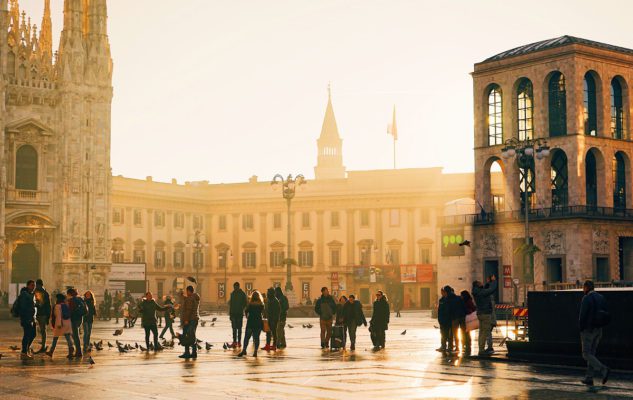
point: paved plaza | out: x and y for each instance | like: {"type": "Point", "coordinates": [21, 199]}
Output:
{"type": "Point", "coordinates": [409, 368]}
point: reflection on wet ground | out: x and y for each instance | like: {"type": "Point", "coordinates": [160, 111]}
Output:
{"type": "Point", "coordinates": [409, 368]}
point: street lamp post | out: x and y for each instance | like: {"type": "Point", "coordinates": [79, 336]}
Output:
{"type": "Point", "coordinates": [525, 151]}
{"type": "Point", "coordinates": [197, 246]}
{"type": "Point", "coordinates": [289, 186]}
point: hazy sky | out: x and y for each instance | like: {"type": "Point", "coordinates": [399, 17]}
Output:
{"type": "Point", "coordinates": [222, 90]}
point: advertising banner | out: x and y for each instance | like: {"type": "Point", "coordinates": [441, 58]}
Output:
{"type": "Point", "coordinates": [451, 238]}
{"type": "Point", "coordinates": [425, 273]}
{"type": "Point", "coordinates": [408, 274]}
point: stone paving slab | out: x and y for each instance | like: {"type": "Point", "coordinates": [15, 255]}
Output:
{"type": "Point", "coordinates": [408, 369]}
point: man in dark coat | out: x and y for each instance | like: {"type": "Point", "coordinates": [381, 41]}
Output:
{"type": "Point", "coordinates": [281, 325]}
{"type": "Point", "coordinates": [26, 312]}
{"type": "Point", "coordinates": [458, 316]}
{"type": "Point", "coordinates": [77, 311]}
{"type": "Point", "coordinates": [444, 319]}
{"type": "Point", "coordinates": [237, 305]}
{"type": "Point", "coordinates": [353, 317]}
{"type": "Point", "coordinates": [148, 308]}
{"type": "Point", "coordinates": [379, 322]}
{"type": "Point", "coordinates": [483, 299]}
{"type": "Point", "coordinates": [593, 316]}
{"type": "Point", "coordinates": [43, 305]}
{"type": "Point", "coordinates": [273, 313]}
{"type": "Point", "coordinates": [325, 308]}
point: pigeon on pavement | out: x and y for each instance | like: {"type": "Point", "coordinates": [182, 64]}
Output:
{"type": "Point", "coordinates": [214, 319]}
{"type": "Point", "coordinates": [118, 332]}
{"type": "Point", "coordinates": [404, 332]}
{"type": "Point", "coordinates": [208, 345]}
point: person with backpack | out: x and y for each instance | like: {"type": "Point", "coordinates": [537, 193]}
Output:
{"type": "Point", "coordinates": [89, 318]}
{"type": "Point", "coordinates": [237, 305]}
{"type": "Point", "coordinates": [325, 308]}
{"type": "Point", "coordinates": [281, 325]}
{"type": "Point", "coordinates": [43, 306]}
{"type": "Point", "coordinates": [61, 325]}
{"type": "Point", "coordinates": [593, 317]}
{"type": "Point", "coordinates": [24, 308]}
{"type": "Point", "coordinates": [78, 310]}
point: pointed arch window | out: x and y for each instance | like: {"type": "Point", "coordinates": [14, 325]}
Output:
{"type": "Point", "coordinates": [591, 180]}
{"type": "Point", "coordinates": [525, 108]}
{"type": "Point", "coordinates": [557, 105]}
{"type": "Point", "coordinates": [589, 105]}
{"type": "Point", "coordinates": [617, 110]}
{"type": "Point", "coordinates": [559, 180]}
{"type": "Point", "coordinates": [527, 183]}
{"type": "Point", "coordinates": [495, 114]}
{"type": "Point", "coordinates": [619, 182]}
{"type": "Point", "coordinates": [26, 168]}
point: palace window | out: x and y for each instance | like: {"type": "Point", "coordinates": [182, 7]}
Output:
{"type": "Point", "coordinates": [118, 215]}
{"type": "Point", "coordinates": [26, 168]}
{"type": "Point", "coordinates": [306, 255]}
{"type": "Point", "coordinates": [159, 219]}
{"type": "Point", "coordinates": [334, 219]}
{"type": "Point", "coordinates": [198, 222]}
{"type": "Point", "coordinates": [617, 110]}
{"type": "Point", "coordinates": [495, 116]}
{"type": "Point", "coordinates": [525, 108]}
{"type": "Point", "coordinates": [277, 221]}
{"type": "Point", "coordinates": [138, 217]}
{"type": "Point", "coordinates": [249, 258]}
{"type": "Point", "coordinates": [619, 182]}
{"type": "Point", "coordinates": [335, 257]}
{"type": "Point", "coordinates": [179, 220]}
{"type": "Point", "coordinates": [276, 258]}
{"type": "Point", "coordinates": [559, 179]}
{"type": "Point", "coordinates": [247, 222]}
{"type": "Point", "coordinates": [589, 105]}
{"type": "Point", "coordinates": [179, 255]}
{"type": "Point", "coordinates": [159, 255]}
{"type": "Point", "coordinates": [425, 254]}
{"type": "Point", "coordinates": [222, 223]}
{"type": "Point", "coordinates": [557, 105]}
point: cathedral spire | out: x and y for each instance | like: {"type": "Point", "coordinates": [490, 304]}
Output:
{"type": "Point", "coordinates": [330, 146]}
{"type": "Point", "coordinates": [46, 34]}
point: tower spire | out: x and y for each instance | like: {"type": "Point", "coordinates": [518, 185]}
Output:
{"type": "Point", "coordinates": [46, 34]}
{"type": "Point", "coordinates": [330, 146]}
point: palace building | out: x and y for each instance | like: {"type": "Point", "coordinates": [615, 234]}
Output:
{"type": "Point", "coordinates": [555, 118]}
{"type": "Point", "coordinates": [55, 177]}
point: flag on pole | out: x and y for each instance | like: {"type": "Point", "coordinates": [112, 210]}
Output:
{"type": "Point", "coordinates": [392, 128]}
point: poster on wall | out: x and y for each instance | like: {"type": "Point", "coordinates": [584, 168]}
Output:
{"type": "Point", "coordinates": [128, 277]}
{"type": "Point", "coordinates": [305, 290]}
{"type": "Point", "coordinates": [425, 273]}
{"type": "Point", "coordinates": [334, 284]}
{"type": "Point", "coordinates": [507, 282]}
{"type": "Point", "coordinates": [408, 274]}
{"type": "Point", "coordinates": [451, 238]}
{"type": "Point", "coordinates": [361, 274]}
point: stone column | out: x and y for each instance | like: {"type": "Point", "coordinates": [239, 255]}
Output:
{"type": "Point", "coordinates": [263, 232]}
{"type": "Point", "coordinates": [319, 242]}
{"type": "Point", "coordinates": [351, 228]}
{"type": "Point", "coordinates": [410, 236]}
{"type": "Point", "coordinates": [237, 253]}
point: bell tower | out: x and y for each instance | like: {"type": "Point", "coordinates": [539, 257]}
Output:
{"type": "Point", "coordinates": [330, 147]}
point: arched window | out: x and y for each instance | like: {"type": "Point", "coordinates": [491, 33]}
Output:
{"type": "Point", "coordinates": [525, 107]}
{"type": "Point", "coordinates": [495, 114]}
{"type": "Point", "coordinates": [591, 180]}
{"type": "Point", "coordinates": [619, 182]}
{"type": "Point", "coordinates": [26, 168]}
{"type": "Point", "coordinates": [527, 184]}
{"type": "Point", "coordinates": [557, 105]}
{"type": "Point", "coordinates": [589, 105]}
{"type": "Point", "coordinates": [559, 180]}
{"type": "Point", "coordinates": [617, 110]}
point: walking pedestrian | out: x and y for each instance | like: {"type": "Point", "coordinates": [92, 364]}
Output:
{"type": "Point", "coordinates": [89, 318]}
{"type": "Point", "coordinates": [458, 318]}
{"type": "Point", "coordinates": [325, 308]}
{"type": "Point", "coordinates": [43, 306]}
{"type": "Point", "coordinates": [26, 311]}
{"type": "Point", "coordinates": [273, 313]}
{"type": "Point", "coordinates": [254, 323]}
{"type": "Point", "coordinates": [170, 316]}
{"type": "Point", "coordinates": [281, 325]}
{"type": "Point", "coordinates": [397, 306]}
{"type": "Point", "coordinates": [61, 325]}
{"type": "Point", "coordinates": [117, 304]}
{"type": "Point", "coordinates": [444, 319]}
{"type": "Point", "coordinates": [353, 317]}
{"type": "Point", "coordinates": [148, 308]}
{"type": "Point", "coordinates": [594, 315]}
{"type": "Point", "coordinates": [340, 320]}
{"type": "Point", "coordinates": [483, 300]}
{"type": "Point", "coordinates": [379, 322]}
{"type": "Point", "coordinates": [78, 310]}
{"type": "Point", "coordinates": [493, 320]}
{"type": "Point", "coordinates": [237, 305]}
{"type": "Point", "coordinates": [189, 316]}
{"type": "Point", "coordinates": [469, 308]}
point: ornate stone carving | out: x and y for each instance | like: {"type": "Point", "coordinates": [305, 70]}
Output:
{"type": "Point", "coordinates": [554, 242]}
{"type": "Point", "coordinates": [491, 244]}
{"type": "Point", "coordinates": [600, 239]}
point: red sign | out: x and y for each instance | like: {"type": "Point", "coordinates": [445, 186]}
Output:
{"type": "Point", "coordinates": [507, 282]}
{"type": "Point", "coordinates": [507, 270]}
{"type": "Point", "coordinates": [425, 273]}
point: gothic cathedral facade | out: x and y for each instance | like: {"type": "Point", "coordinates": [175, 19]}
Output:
{"type": "Point", "coordinates": [55, 177]}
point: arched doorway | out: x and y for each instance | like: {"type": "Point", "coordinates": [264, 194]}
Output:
{"type": "Point", "coordinates": [25, 263]}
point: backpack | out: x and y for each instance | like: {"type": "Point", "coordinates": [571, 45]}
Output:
{"type": "Point", "coordinates": [601, 316]}
{"type": "Point", "coordinates": [80, 308]}
{"type": "Point", "coordinates": [15, 309]}
{"type": "Point", "coordinates": [65, 311]}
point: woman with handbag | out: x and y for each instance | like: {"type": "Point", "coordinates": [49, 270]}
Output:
{"type": "Point", "coordinates": [472, 322]}
{"type": "Point", "coordinates": [61, 325]}
{"type": "Point", "coordinates": [254, 322]}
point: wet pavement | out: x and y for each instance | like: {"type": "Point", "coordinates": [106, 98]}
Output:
{"type": "Point", "coordinates": [409, 368]}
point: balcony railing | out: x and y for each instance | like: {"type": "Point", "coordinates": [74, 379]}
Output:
{"type": "Point", "coordinates": [27, 196]}
{"type": "Point", "coordinates": [542, 214]}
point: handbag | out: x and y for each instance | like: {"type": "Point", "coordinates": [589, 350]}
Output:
{"type": "Point", "coordinates": [472, 322]}
{"type": "Point", "coordinates": [266, 325]}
